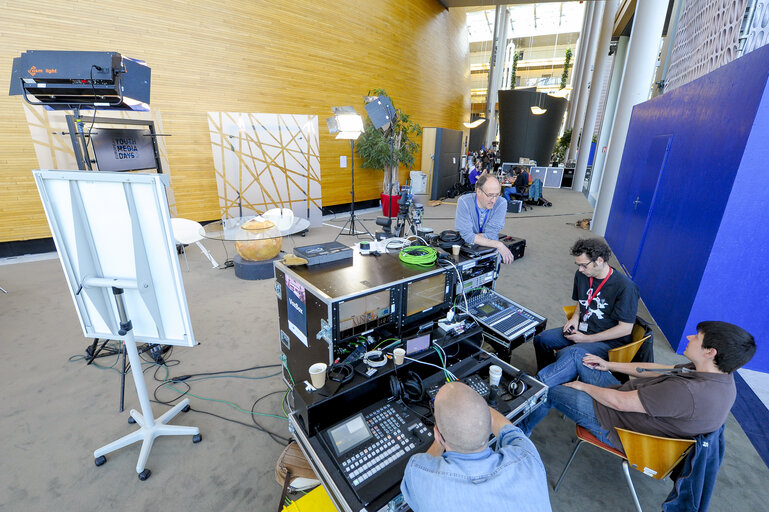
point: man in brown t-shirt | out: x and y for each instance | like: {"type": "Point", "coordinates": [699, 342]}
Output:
{"type": "Point", "coordinates": [670, 401]}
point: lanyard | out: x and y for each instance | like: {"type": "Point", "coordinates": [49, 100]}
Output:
{"type": "Point", "coordinates": [485, 218]}
{"type": "Point", "coordinates": [590, 296]}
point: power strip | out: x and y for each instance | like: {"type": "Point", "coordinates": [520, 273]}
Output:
{"type": "Point", "coordinates": [378, 246]}
{"type": "Point", "coordinates": [451, 327]}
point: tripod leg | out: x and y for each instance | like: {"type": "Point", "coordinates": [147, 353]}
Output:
{"type": "Point", "coordinates": [122, 381]}
{"type": "Point", "coordinates": [94, 350]}
{"type": "Point", "coordinates": [341, 231]}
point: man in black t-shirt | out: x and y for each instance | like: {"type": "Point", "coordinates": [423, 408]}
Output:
{"type": "Point", "coordinates": [518, 185]}
{"type": "Point", "coordinates": [607, 303]}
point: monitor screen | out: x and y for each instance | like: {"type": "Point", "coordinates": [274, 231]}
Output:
{"type": "Point", "coordinates": [362, 314]}
{"type": "Point", "coordinates": [349, 434]}
{"type": "Point", "coordinates": [123, 149]}
{"type": "Point", "coordinates": [418, 344]}
{"type": "Point", "coordinates": [425, 294]}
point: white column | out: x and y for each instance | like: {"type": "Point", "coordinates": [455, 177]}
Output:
{"type": "Point", "coordinates": [496, 66]}
{"type": "Point", "coordinates": [639, 72]}
{"type": "Point", "coordinates": [609, 110]}
{"type": "Point", "coordinates": [591, 110]}
{"type": "Point", "coordinates": [579, 65]}
{"type": "Point", "coordinates": [587, 75]}
{"type": "Point", "coordinates": [667, 50]}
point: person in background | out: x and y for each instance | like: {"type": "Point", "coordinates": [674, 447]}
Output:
{"type": "Point", "coordinates": [519, 183]}
{"type": "Point", "coordinates": [480, 216]}
{"type": "Point", "coordinates": [472, 176]}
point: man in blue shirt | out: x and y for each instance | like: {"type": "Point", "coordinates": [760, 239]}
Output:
{"type": "Point", "coordinates": [460, 472]}
{"type": "Point", "coordinates": [481, 216]}
{"type": "Point", "coordinates": [473, 174]}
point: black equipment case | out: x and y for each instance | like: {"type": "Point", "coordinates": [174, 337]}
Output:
{"type": "Point", "coordinates": [516, 245]}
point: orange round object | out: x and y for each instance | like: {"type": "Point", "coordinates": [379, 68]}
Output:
{"type": "Point", "coordinates": [266, 241]}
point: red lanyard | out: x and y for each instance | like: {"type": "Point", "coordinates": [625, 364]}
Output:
{"type": "Point", "coordinates": [595, 293]}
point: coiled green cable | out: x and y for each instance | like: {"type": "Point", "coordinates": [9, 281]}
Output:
{"type": "Point", "coordinates": [418, 255]}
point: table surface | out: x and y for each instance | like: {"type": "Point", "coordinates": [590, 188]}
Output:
{"type": "Point", "coordinates": [230, 230]}
{"type": "Point", "coordinates": [360, 274]}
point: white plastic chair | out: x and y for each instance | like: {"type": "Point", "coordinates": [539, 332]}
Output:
{"type": "Point", "coordinates": [187, 232]}
{"type": "Point", "coordinates": [283, 218]}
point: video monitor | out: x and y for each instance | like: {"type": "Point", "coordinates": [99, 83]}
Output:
{"type": "Point", "coordinates": [350, 433]}
{"type": "Point", "coordinates": [123, 149]}
{"type": "Point", "coordinates": [417, 344]}
{"type": "Point", "coordinates": [363, 314]}
{"type": "Point", "coordinates": [424, 296]}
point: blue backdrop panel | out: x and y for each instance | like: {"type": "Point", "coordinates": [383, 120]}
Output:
{"type": "Point", "coordinates": [685, 195]}
{"type": "Point", "coordinates": [735, 284]}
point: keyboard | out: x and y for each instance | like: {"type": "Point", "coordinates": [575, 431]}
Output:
{"type": "Point", "coordinates": [384, 437]}
{"type": "Point", "coordinates": [505, 318]}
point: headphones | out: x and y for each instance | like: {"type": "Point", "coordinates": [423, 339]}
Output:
{"type": "Point", "coordinates": [516, 387]}
{"type": "Point", "coordinates": [410, 390]}
{"type": "Point", "coordinates": [449, 236]}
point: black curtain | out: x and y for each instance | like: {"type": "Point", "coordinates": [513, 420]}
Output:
{"type": "Point", "coordinates": [524, 134]}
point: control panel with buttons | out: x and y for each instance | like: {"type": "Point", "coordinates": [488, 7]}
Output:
{"type": "Point", "coordinates": [372, 448]}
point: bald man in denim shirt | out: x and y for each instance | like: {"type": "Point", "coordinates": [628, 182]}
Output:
{"type": "Point", "coordinates": [460, 472]}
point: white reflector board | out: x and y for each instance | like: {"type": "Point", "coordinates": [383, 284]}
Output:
{"type": "Point", "coordinates": [116, 226]}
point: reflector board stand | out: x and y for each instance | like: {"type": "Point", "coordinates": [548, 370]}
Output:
{"type": "Point", "coordinates": [114, 239]}
{"type": "Point", "coordinates": [149, 428]}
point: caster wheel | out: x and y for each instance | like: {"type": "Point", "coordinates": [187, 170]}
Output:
{"type": "Point", "coordinates": [145, 475]}
{"type": "Point", "coordinates": [197, 438]}
{"type": "Point", "coordinates": [186, 408]}
{"type": "Point", "coordinates": [100, 460]}
{"type": "Point", "coordinates": [131, 420]}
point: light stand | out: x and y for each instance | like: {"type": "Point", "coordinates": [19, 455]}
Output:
{"type": "Point", "coordinates": [347, 124]}
{"type": "Point", "coordinates": [382, 114]}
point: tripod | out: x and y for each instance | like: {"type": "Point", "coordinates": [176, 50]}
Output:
{"type": "Point", "coordinates": [353, 218]}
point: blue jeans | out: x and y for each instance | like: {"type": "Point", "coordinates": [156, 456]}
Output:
{"type": "Point", "coordinates": [509, 192]}
{"type": "Point", "coordinates": [577, 405]}
{"type": "Point", "coordinates": [553, 339]}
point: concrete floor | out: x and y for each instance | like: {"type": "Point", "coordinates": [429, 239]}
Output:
{"type": "Point", "coordinates": [56, 410]}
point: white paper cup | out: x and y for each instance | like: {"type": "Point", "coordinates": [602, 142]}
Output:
{"type": "Point", "coordinates": [455, 249]}
{"type": "Point", "coordinates": [399, 354]}
{"type": "Point", "coordinates": [318, 375]}
{"type": "Point", "coordinates": [495, 374]}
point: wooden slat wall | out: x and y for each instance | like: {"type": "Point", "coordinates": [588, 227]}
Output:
{"type": "Point", "coordinates": [301, 56]}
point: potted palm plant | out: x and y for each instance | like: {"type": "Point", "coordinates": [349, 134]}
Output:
{"type": "Point", "coordinates": [388, 149]}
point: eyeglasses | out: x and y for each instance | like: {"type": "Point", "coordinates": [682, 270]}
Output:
{"type": "Point", "coordinates": [583, 266]}
{"type": "Point", "coordinates": [490, 196]}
